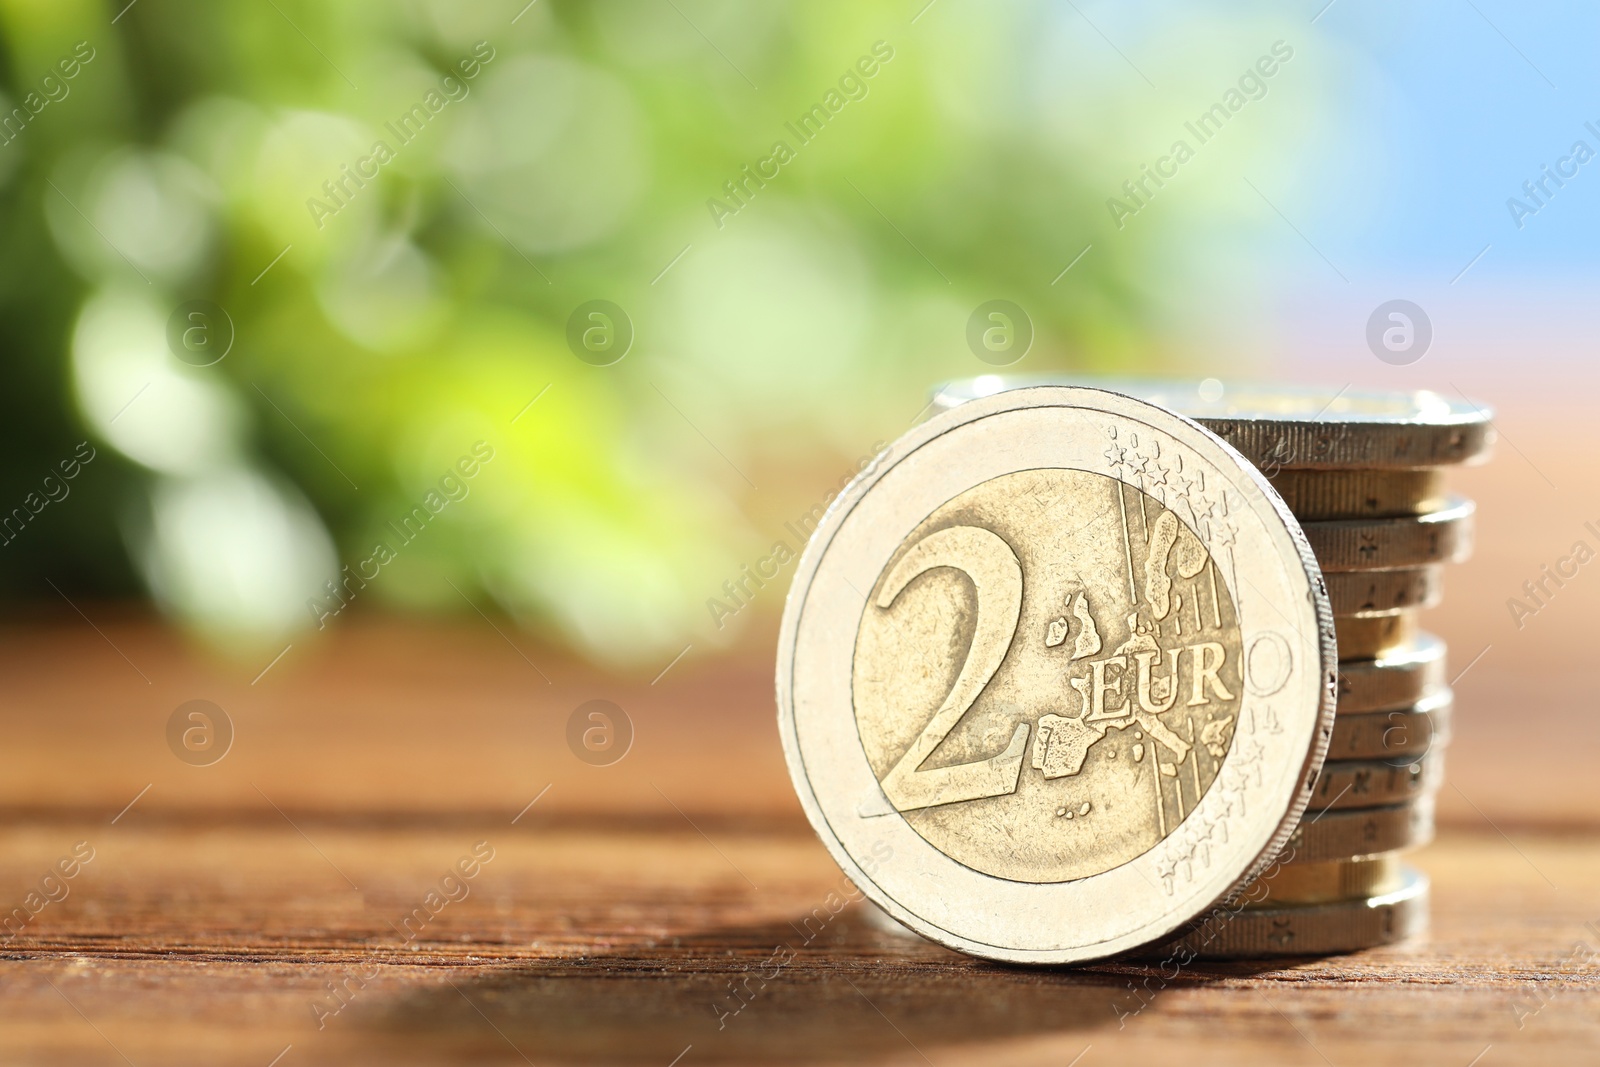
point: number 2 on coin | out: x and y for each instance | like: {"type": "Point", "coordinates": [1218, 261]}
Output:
{"type": "Point", "coordinates": [996, 575]}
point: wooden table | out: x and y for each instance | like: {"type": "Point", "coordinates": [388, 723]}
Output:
{"type": "Point", "coordinates": [672, 907]}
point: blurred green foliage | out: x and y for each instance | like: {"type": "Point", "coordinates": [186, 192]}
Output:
{"type": "Point", "coordinates": [585, 157]}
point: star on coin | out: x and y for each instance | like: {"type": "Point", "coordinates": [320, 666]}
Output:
{"type": "Point", "coordinates": [1182, 485]}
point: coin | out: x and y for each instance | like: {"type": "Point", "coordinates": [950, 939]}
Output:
{"type": "Point", "coordinates": [1309, 929]}
{"type": "Point", "coordinates": [1337, 835]}
{"type": "Point", "coordinates": [1392, 734]}
{"type": "Point", "coordinates": [1359, 783]}
{"type": "Point", "coordinates": [1360, 494]}
{"type": "Point", "coordinates": [1369, 593]}
{"type": "Point", "coordinates": [1055, 676]}
{"type": "Point", "coordinates": [1375, 636]}
{"type": "Point", "coordinates": [1443, 536]}
{"type": "Point", "coordinates": [1288, 427]}
{"type": "Point", "coordinates": [1319, 883]}
{"type": "Point", "coordinates": [1400, 678]}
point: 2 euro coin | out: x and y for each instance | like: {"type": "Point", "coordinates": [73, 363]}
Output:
{"type": "Point", "coordinates": [1056, 676]}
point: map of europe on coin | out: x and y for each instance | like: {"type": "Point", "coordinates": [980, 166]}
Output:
{"type": "Point", "coordinates": [1123, 664]}
{"type": "Point", "coordinates": [1055, 677]}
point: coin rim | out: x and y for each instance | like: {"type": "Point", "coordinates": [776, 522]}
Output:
{"type": "Point", "coordinates": [1338, 923]}
{"type": "Point", "coordinates": [1362, 633]}
{"type": "Point", "coordinates": [1437, 707]}
{"type": "Point", "coordinates": [1119, 406]}
{"type": "Point", "coordinates": [1429, 779]}
{"type": "Point", "coordinates": [1410, 825]}
{"type": "Point", "coordinates": [1473, 420]}
{"type": "Point", "coordinates": [1432, 581]}
{"type": "Point", "coordinates": [1398, 678]}
{"type": "Point", "coordinates": [1454, 524]}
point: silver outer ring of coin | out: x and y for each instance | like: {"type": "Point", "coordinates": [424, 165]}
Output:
{"type": "Point", "coordinates": [1285, 427]}
{"type": "Point", "coordinates": [1341, 835]}
{"type": "Point", "coordinates": [1358, 783]}
{"type": "Point", "coordinates": [1364, 593]}
{"type": "Point", "coordinates": [1400, 733]}
{"type": "Point", "coordinates": [1226, 841]}
{"type": "Point", "coordinates": [1443, 536]}
{"type": "Point", "coordinates": [1309, 929]}
{"type": "Point", "coordinates": [1397, 680]}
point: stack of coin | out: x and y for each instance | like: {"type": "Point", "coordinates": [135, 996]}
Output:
{"type": "Point", "coordinates": [1057, 676]}
{"type": "Point", "coordinates": [1363, 474]}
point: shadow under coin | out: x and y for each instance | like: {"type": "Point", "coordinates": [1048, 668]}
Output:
{"type": "Point", "coordinates": [774, 996]}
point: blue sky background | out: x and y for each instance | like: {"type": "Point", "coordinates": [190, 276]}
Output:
{"type": "Point", "coordinates": [1386, 152]}
{"type": "Point", "coordinates": [1459, 116]}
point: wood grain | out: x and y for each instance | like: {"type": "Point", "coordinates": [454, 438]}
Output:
{"type": "Point", "coordinates": [620, 910]}
{"type": "Point", "coordinates": [217, 943]}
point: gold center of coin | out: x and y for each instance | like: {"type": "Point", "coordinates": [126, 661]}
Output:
{"type": "Point", "coordinates": [1047, 674]}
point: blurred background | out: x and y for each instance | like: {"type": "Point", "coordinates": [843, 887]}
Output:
{"type": "Point", "coordinates": [411, 411]}
{"type": "Point", "coordinates": [358, 320]}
